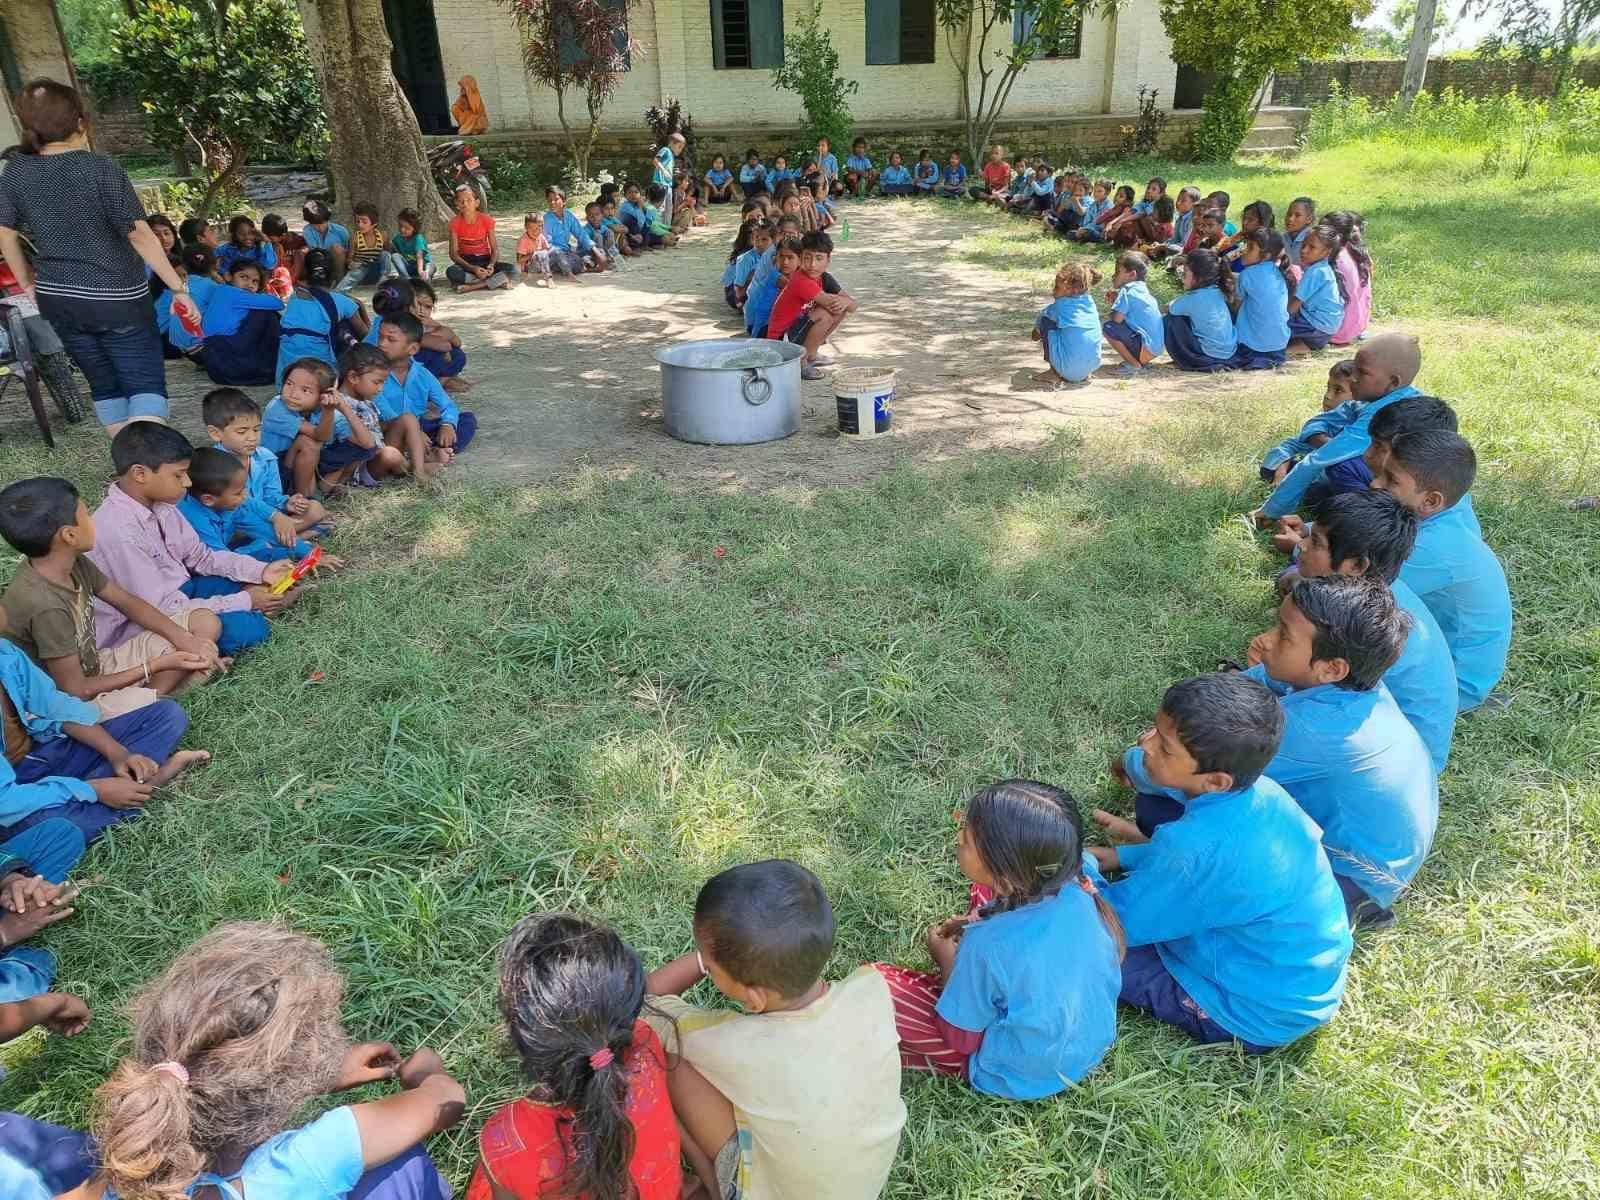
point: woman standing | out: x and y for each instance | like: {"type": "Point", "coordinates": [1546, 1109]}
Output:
{"type": "Point", "coordinates": [92, 245]}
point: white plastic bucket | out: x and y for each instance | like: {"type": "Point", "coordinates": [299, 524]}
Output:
{"type": "Point", "coordinates": [865, 398]}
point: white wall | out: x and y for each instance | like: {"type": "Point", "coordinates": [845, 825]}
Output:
{"type": "Point", "coordinates": [675, 59]}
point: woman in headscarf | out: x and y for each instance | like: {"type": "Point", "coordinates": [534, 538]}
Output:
{"type": "Point", "coordinates": [471, 117]}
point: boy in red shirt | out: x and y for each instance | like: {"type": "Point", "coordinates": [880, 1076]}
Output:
{"type": "Point", "coordinates": [812, 305]}
{"type": "Point", "coordinates": [996, 178]}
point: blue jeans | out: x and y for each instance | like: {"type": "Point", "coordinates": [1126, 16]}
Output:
{"type": "Point", "coordinates": [125, 367]}
{"type": "Point", "coordinates": [374, 270]}
{"type": "Point", "coordinates": [466, 427]}
{"type": "Point", "coordinates": [240, 630]}
{"type": "Point", "coordinates": [52, 848]}
{"type": "Point", "coordinates": [154, 731]}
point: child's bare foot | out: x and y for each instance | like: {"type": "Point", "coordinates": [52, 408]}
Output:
{"type": "Point", "coordinates": [178, 764]}
{"type": "Point", "coordinates": [455, 385]}
{"type": "Point", "coordinates": [1048, 375]}
{"type": "Point", "coordinates": [19, 927]}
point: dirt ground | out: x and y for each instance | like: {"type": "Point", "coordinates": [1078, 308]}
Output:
{"type": "Point", "coordinates": [565, 376]}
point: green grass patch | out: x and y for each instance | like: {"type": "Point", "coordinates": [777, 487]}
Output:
{"type": "Point", "coordinates": [559, 696]}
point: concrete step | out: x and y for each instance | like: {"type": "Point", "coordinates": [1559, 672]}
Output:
{"type": "Point", "coordinates": [1270, 135]}
{"type": "Point", "coordinates": [1284, 151]}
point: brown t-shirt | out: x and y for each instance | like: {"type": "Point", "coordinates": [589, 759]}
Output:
{"type": "Point", "coordinates": [50, 621]}
{"type": "Point", "coordinates": [18, 742]}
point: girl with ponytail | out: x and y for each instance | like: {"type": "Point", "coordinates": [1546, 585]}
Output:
{"type": "Point", "coordinates": [228, 1045]}
{"type": "Point", "coordinates": [597, 1122]}
{"type": "Point", "coordinates": [1198, 330]}
{"type": "Point", "coordinates": [1025, 996]}
{"type": "Point", "coordinates": [1317, 309]}
{"type": "Point", "coordinates": [1352, 266]}
{"type": "Point", "coordinates": [1265, 285]}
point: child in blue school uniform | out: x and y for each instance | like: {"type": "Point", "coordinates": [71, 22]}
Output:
{"type": "Point", "coordinates": [1451, 568]}
{"type": "Point", "coordinates": [753, 175]}
{"type": "Point", "coordinates": [1339, 408]}
{"type": "Point", "coordinates": [1317, 309]}
{"type": "Point", "coordinates": [1198, 330]}
{"type": "Point", "coordinates": [744, 267]}
{"type": "Point", "coordinates": [1066, 206]}
{"type": "Point", "coordinates": [251, 1013]}
{"type": "Point", "coordinates": [925, 175]}
{"type": "Point", "coordinates": [1371, 534]}
{"type": "Point", "coordinates": [1134, 328]}
{"type": "Point", "coordinates": [1265, 287]}
{"type": "Point", "coordinates": [245, 244]}
{"type": "Point", "coordinates": [779, 171]}
{"type": "Point", "coordinates": [1349, 756]}
{"type": "Point", "coordinates": [323, 233]}
{"type": "Point", "coordinates": [1386, 365]}
{"type": "Point", "coordinates": [1120, 204]}
{"type": "Point", "coordinates": [859, 176]}
{"type": "Point", "coordinates": [233, 423]}
{"type": "Point", "coordinates": [1024, 999]}
{"type": "Point", "coordinates": [896, 177]}
{"type": "Point", "coordinates": [1297, 221]}
{"type": "Point", "coordinates": [1235, 926]}
{"type": "Point", "coordinates": [412, 391]}
{"type": "Point", "coordinates": [226, 517]}
{"type": "Point", "coordinates": [719, 181]}
{"type": "Point", "coordinates": [765, 282]}
{"type": "Point", "coordinates": [1068, 330]}
{"type": "Point", "coordinates": [240, 323]}
{"type": "Point", "coordinates": [748, 219]}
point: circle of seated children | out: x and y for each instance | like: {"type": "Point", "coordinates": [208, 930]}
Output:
{"type": "Point", "coordinates": [1303, 781]}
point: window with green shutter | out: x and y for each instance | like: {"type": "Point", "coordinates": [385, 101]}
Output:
{"type": "Point", "coordinates": [900, 31]}
{"type": "Point", "coordinates": [746, 34]}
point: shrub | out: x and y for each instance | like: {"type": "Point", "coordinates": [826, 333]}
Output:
{"type": "Point", "coordinates": [811, 70]}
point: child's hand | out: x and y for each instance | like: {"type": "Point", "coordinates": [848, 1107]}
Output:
{"type": "Point", "coordinates": [328, 562]}
{"type": "Point", "coordinates": [265, 603]}
{"type": "Point", "coordinates": [329, 398]}
{"type": "Point", "coordinates": [183, 660]}
{"type": "Point", "coordinates": [199, 647]}
{"type": "Point", "coordinates": [68, 1016]}
{"type": "Point", "coordinates": [1035, 335]}
{"type": "Point", "coordinates": [118, 792]}
{"type": "Point", "coordinates": [953, 927]}
{"type": "Point", "coordinates": [1258, 647]}
{"type": "Point", "coordinates": [368, 1062]}
{"type": "Point", "coordinates": [446, 436]}
{"type": "Point", "coordinates": [19, 893]}
{"type": "Point", "coordinates": [422, 1064]}
{"type": "Point", "coordinates": [296, 505]}
{"type": "Point", "coordinates": [1280, 473]}
{"type": "Point", "coordinates": [1259, 519]}
{"type": "Point", "coordinates": [1119, 829]}
{"type": "Point", "coordinates": [1286, 580]}
{"type": "Point", "coordinates": [1105, 858]}
{"type": "Point", "coordinates": [136, 767]}
{"type": "Point", "coordinates": [276, 571]}
{"type": "Point", "coordinates": [283, 529]}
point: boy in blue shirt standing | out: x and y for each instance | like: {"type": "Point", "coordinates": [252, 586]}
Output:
{"type": "Point", "coordinates": [661, 171]}
{"type": "Point", "coordinates": [1371, 534]}
{"type": "Point", "coordinates": [1349, 757]}
{"type": "Point", "coordinates": [1134, 330]}
{"type": "Point", "coordinates": [1236, 929]}
{"type": "Point", "coordinates": [1457, 576]}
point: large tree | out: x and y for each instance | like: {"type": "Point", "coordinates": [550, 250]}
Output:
{"type": "Point", "coordinates": [376, 152]}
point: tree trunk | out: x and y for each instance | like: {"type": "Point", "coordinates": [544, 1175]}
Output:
{"type": "Point", "coordinates": [376, 153]}
{"type": "Point", "coordinates": [1417, 55]}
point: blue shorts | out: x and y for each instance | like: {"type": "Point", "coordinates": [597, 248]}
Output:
{"type": "Point", "coordinates": [1301, 330]}
{"type": "Point", "coordinates": [1121, 331]}
{"type": "Point", "coordinates": [336, 456]}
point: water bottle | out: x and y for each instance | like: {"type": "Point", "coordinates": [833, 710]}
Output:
{"type": "Point", "coordinates": [844, 231]}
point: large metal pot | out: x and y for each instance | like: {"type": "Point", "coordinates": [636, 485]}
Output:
{"type": "Point", "coordinates": [730, 392]}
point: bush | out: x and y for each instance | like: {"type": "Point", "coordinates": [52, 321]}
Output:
{"type": "Point", "coordinates": [512, 176]}
{"type": "Point", "coordinates": [1229, 112]}
{"type": "Point", "coordinates": [1512, 128]}
{"type": "Point", "coordinates": [811, 71]}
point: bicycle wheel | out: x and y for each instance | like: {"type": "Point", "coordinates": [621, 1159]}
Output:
{"type": "Point", "coordinates": [55, 370]}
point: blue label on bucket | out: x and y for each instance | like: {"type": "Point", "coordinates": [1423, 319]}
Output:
{"type": "Point", "coordinates": [851, 407]}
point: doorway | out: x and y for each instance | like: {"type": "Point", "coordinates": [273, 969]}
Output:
{"type": "Point", "coordinates": [418, 64]}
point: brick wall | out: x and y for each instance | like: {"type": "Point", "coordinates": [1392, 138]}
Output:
{"type": "Point", "coordinates": [119, 127]}
{"type": "Point", "coordinates": [1379, 79]}
{"type": "Point", "coordinates": [675, 59]}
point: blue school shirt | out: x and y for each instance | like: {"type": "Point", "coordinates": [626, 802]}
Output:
{"type": "Point", "coordinates": [1092, 209]}
{"type": "Point", "coordinates": [661, 168]}
{"type": "Point", "coordinates": [1461, 581]}
{"type": "Point", "coordinates": [1330, 424]}
{"type": "Point", "coordinates": [337, 235]}
{"type": "Point", "coordinates": [171, 328]}
{"type": "Point", "coordinates": [41, 707]}
{"type": "Point", "coordinates": [727, 271]}
{"type": "Point", "coordinates": [1212, 319]}
{"type": "Point", "coordinates": [1042, 187]}
{"type": "Point", "coordinates": [927, 174]}
{"type": "Point", "coordinates": [244, 530]}
{"type": "Point", "coordinates": [858, 162]}
{"type": "Point", "coordinates": [1141, 312]}
{"type": "Point", "coordinates": [419, 390]}
{"type": "Point", "coordinates": [719, 176]}
{"type": "Point", "coordinates": [280, 425]}
{"type": "Point", "coordinates": [1040, 983]}
{"type": "Point", "coordinates": [561, 230]}
{"type": "Point", "coordinates": [1263, 320]}
{"type": "Point", "coordinates": [954, 176]}
{"type": "Point", "coordinates": [1238, 900]}
{"type": "Point", "coordinates": [893, 175]}
{"type": "Point", "coordinates": [1320, 302]}
{"type": "Point", "coordinates": [745, 268]}
{"type": "Point", "coordinates": [1182, 223]}
{"type": "Point", "coordinates": [1071, 329]}
{"type": "Point", "coordinates": [262, 254]}
{"type": "Point", "coordinates": [1423, 679]}
{"type": "Point", "coordinates": [830, 163]}
{"type": "Point", "coordinates": [303, 332]}
{"type": "Point", "coordinates": [262, 480]}
{"type": "Point", "coordinates": [1292, 243]}
{"type": "Point", "coordinates": [1143, 207]}
{"type": "Point", "coordinates": [1351, 443]}
{"type": "Point", "coordinates": [763, 293]}
{"type": "Point", "coordinates": [18, 1181]}
{"type": "Point", "coordinates": [752, 174]}
{"type": "Point", "coordinates": [1359, 769]}
{"type": "Point", "coordinates": [226, 309]}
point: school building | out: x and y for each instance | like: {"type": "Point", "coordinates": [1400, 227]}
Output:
{"type": "Point", "coordinates": [716, 57]}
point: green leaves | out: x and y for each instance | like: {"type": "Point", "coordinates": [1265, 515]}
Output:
{"type": "Point", "coordinates": [811, 71]}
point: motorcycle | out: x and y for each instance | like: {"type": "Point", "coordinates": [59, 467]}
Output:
{"type": "Point", "coordinates": [456, 163]}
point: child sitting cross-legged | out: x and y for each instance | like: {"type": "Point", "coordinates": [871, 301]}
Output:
{"type": "Point", "coordinates": [1024, 1000]}
{"type": "Point", "coordinates": [1236, 928]}
{"type": "Point", "coordinates": [229, 1046]}
{"type": "Point", "coordinates": [1371, 534]}
{"type": "Point", "coordinates": [356, 453]}
{"type": "Point", "coordinates": [64, 761]}
{"type": "Point", "coordinates": [225, 517]}
{"type": "Point", "coordinates": [812, 305]}
{"type": "Point", "coordinates": [572, 251]}
{"type": "Point", "coordinates": [1068, 330]}
{"type": "Point", "coordinates": [240, 323]}
{"type": "Point", "coordinates": [798, 1094]}
{"type": "Point", "coordinates": [1339, 408]}
{"type": "Point", "coordinates": [1264, 287]}
{"type": "Point", "coordinates": [145, 545]}
{"type": "Point", "coordinates": [597, 1120]}
{"type": "Point", "coordinates": [1349, 757]}
{"type": "Point", "coordinates": [896, 177]}
{"type": "Point", "coordinates": [408, 248]}
{"type": "Point", "coordinates": [1134, 329]}
{"type": "Point", "coordinates": [953, 179]}
{"type": "Point", "coordinates": [1451, 569]}
{"type": "Point", "coordinates": [925, 175]}
{"type": "Point", "coordinates": [436, 430]}
{"type": "Point", "coordinates": [609, 215]}
{"type": "Point", "coordinates": [50, 604]}
{"type": "Point", "coordinates": [475, 262]}
{"type": "Point", "coordinates": [233, 423]}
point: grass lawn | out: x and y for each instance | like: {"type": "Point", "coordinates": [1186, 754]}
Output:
{"type": "Point", "coordinates": [561, 696]}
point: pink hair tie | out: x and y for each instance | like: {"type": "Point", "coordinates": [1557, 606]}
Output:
{"type": "Point", "coordinates": [1087, 885]}
{"type": "Point", "coordinates": [602, 1058]}
{"type": "Point", "coordinates": [176, 1070]}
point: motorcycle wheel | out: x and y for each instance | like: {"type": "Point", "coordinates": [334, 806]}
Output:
{"type": "Point", "coordinates": [55, 371]}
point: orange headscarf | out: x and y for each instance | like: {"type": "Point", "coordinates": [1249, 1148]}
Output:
{"type": "Point", "coordinates": [468, 110]}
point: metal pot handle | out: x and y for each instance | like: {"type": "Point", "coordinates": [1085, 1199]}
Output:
{"type": "Point", "coordinates": [754, 381]}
